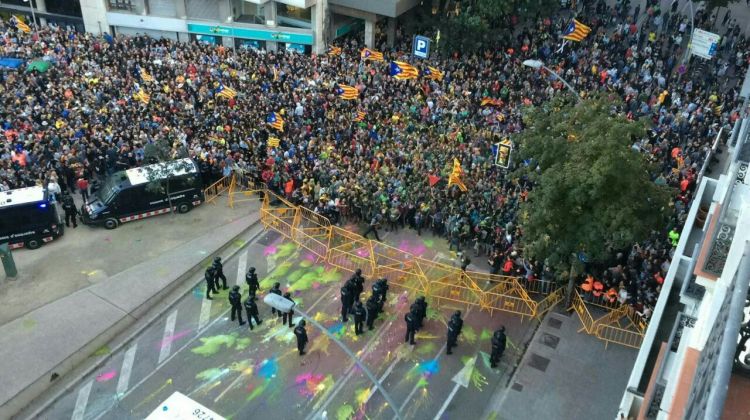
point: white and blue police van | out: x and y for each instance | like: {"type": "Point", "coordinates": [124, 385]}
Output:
{"type": "Point", "coordinates": [28, 217]}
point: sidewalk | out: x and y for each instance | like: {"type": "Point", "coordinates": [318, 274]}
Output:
{"type": "Point", "coordinates": [56, 337]}
{"type": "Point", "coordinates": [565, 375]}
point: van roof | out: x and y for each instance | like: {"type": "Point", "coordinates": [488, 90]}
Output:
{"type": "Point", "coordinates": [159, 171]}
{"type": "Point", "coordinates": [21, 196]}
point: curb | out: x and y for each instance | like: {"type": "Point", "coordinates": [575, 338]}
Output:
{"type": "Point", "coordinates": [179, 287]}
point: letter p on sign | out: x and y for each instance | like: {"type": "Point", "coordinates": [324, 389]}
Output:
{"type": "Point", "coordinates": [421, 47]}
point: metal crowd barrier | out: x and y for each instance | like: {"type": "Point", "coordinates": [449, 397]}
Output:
{"type": "Point", "coordinates": [443, 283]}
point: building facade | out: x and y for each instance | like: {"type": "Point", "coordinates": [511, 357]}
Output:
{"type": "Point", "coordinates": [299, 25]}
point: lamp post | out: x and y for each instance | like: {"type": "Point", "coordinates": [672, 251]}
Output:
{"type": "Point", "coordinates": [536, 64]}
{"type": "Point", "coordinates": [285, 305]}
{"type": "Point", "coordinates": [33, 15]}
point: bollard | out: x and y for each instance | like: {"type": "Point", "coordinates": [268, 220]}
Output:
{"type": "Point", "coordinates": [8, 263]}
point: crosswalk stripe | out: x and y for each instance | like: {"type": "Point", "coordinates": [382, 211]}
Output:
{"type": "Point", "coordinates": [205, 314]}
{"type": "Point", "coordinates": [166, 347]}
{"type": "Point", "coordinates": [241, 267]}
{"type": "Point", "coordinates": [82, 401]}
{"type": "Point", "coordinates": [127, 369]}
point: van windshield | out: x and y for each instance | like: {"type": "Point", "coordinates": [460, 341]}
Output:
{"type": "Point", "coordinates": [110, 187]}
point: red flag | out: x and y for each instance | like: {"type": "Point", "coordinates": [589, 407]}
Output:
{"type": "Point", "coordinates": [433, 179]}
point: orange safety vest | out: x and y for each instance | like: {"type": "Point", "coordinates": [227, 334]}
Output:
{"type": "Point", "coordinates": [588, 284]}
{"type": "Point", "coordinates": [598, 288]}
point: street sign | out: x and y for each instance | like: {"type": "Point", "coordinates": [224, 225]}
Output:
{"type": "Point", "coordinates": [180, 407]}
{"type": "Point", "coordinates": [421, 47]}
{"type": "Point", "coordinates": [704, 44]}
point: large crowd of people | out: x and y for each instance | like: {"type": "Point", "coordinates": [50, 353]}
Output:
{"type": "Point", "coordinates": [372, 159]}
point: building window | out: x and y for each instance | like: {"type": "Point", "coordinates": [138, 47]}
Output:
{"type": "Point", "coordinates": [121, 5]}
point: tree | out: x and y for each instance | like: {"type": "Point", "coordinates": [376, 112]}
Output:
{"type": "Point", "coordinates": [593, 193]}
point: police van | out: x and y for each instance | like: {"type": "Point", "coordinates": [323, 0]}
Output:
{"type": "Point", "coordinates": [28, 218]}
{"type": "Point", "coordinates": [146, 191]}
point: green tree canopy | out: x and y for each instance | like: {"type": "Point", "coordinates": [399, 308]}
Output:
{"type": "Point", "coordinates": [593, 193]}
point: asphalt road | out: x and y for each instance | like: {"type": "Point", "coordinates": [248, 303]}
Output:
{"type": "Point", "coordinates": [238, 373]}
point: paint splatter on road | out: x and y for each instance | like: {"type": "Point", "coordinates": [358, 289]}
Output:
{"type": "Point", "coordinates": [106, 376]}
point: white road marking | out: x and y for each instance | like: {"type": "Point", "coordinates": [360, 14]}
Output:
{"type": "Point", "coordinates": [126, 370]}
{"type": "Point", "coordinates": [166, 346]}
{"type": "Point", "coordinates": [461, 379]}
{"type": "Point", "coordinates": [241, 267]}
{"type": "Point", "coordinates": [416, 386]}
{"type": "Point", "coordinates": [382, 378]}
{"type": "Point", "coordinates": [205, 314]}
{"type": "Point", "coordinates": [82, 401]}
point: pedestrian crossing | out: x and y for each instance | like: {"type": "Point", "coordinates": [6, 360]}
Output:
{"type": "Point", "coordinates": [166, 343]}
{"type": "Point", "coordinates": [127, 369]}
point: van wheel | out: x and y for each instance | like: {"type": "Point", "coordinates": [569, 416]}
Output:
{"type": "Point", "coordinates": [33, 243]}
{"type": "Point", "coordinates": [183, 208]}
{"type": "Point", "coordinates": [110, 223]}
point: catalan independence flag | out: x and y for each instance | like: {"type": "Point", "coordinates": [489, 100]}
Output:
{"type": "Point", "coordinates": [333, 50]}
{"type": "Point", "coordinates": [576, 31]}
{"type": "Point", "coordinates": [145, 76]}
{"type": "Point", "coordinates": [274, 120]}
{"type": "Point", "coordinates": [403, 71]}
{"type": "Point", "coordinates": [491, 102]}
{"type": "Point", "coordinates": [455, 176]}
{"type": "Point", "coordinates": [360, 116]}
{"type": "Point", "coordinates": [226, 92]}
{"type": "Point", "coordinates": [21, 25]}
{"type": "Point", "coordinates": [273, 142]}
{"type": "Point", "coordinates": [142, 96]}
{"type": "Point", "coordinates": [433, 73]}
{"type": "Point", "coordinates": [368, 54]}
{"type": "Point", "coordinates": [347, 92]}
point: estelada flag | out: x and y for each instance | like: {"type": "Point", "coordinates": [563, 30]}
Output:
{"type": "Point", "coordinates": [360, 116]}
{"type": "Point", "coordinates": [433, 73]}
{"type": "Point", "coordinates": [455, 176]}
{"type": "Point", "coordinates": [274, 120]}
{"type": "Point", "coordinates": [492, 101]}
{"type": "Point", "coordinates": [403, 71]}
{"type": "Point", "coordinates": [347, 92]}
{"type": "Point", "coordinates": [21, 25]}
{"type": "Point", "coordinates": [273, 142]}
{"type": "Point", "coordinates": [368, 54]}
{"type": "Point", "coordinates": [576, 31]}
{"type": "Point", "coordinates": [333, 50]}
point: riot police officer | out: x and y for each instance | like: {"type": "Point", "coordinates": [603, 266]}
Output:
{"type": "Point", "coordinates": [287, 316]}
{"type": "Point", "coordinates": [301, 335]}
{"type": "Point", "coordinates": [251, 308]}
{"type": "Point", "coordinates": [419, 307]}
{"type": "Point", "coordinates": [209, 276]}
{"type": "Point", "coordinates": [252, 282]}
{"type": "Point", "coordinates": [71, 212]}
{"type": "Point", "coordinates": [454, 329]}
{"type": "Point", "coordinates": [358, 284]}
{"type": "Point", "coordinates": [359, 317]}
{"type": "Point", "coordinates": [276, 289]}
{"type": "Point", "coordinates": [498, 346]}
{"type": "Point", "coordinates": [347, 299]}
{"type": "Point", "coordinates": [235, 299]}
{"type": "Point", "coordinates": [372, 307]}
{"type": "Point", "coordinates": [219, 273]}
{"type": "Point", "coordinates": [411, 327]}
{"type": "Point", "coordinates": [380, 289]}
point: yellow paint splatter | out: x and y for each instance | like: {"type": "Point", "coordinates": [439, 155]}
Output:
{"type": "Point", "coordinates": [321, 344]}
{"type": "Point", "coordinates": [361, 396]}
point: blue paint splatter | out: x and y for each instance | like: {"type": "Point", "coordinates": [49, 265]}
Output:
{"type": "Point", "coordinates": [198, 293]}
{"type": "Point", "coordinates": [429, 368]}
{"type": "Point", "coordinates": [337, 329]}
{"type": "Point", "coordinates": [268, 368]}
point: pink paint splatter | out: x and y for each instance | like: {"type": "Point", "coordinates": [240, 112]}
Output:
{"type": "Point", "coordinates": [173, 338]}
{"type": "Point", "coordinates": [316, 285]}
{"type": "Point", "coordinates": [310, 257]}
{"type": "Point", "coordinates": [362, 252]}
{"type": "Point", "coordinates": [106, 376]}
{"type": "Point", "coordinates": [309, 384]}
{"type": "Point", "coordinates": [270, 250]}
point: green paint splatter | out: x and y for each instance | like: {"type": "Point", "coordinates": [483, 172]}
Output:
{"type": "Point", "coordinates": [345, 412]}
{"type": "Point", "coordinates": [429, 243]}
{"type": "Point", "coordinates": [478, 379]}
{"type": "Point", "coordinates": [29, 323]}
{"type": "Point", "coordinates": [485, 359]}
{"type": "Point", "coordinates": [258, 390]}
{"type": "Point", "coordinates": [426, 348]}
{"type": "Point", "coordinates": [242, 343]}
{"type": "Point", "coordinates": [102, 351]}
{"type": "Point", "coordinates": [211, 374]}
{"type": "Point", "coordinates": [361, 396]}
{"type": "Point", "coordinates": [434, 314]}
{"type": "Point", "coordinates": [492, 416]}
{"type": "Point", "coordinates": [284, 250]}
{"type": "Point", "coordinates": [296, 274]}
{"type": "Point", "coordinates": [486, 334]}
{"type": "Point", "coordinates": [330, 276]}
{"type": "Point", "coordinates": [422, 382]}
{"type": "Point", "coordinates": [305, 263]}
{"type": "Point", "coordinates": [239, 243]}
{"type": "Point", "coordinates": [212, 345]}
{"type": "Point", "coordinates": [469, 335]}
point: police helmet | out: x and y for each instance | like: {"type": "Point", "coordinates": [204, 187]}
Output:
{"type": "Point", "coordinates": [287, 295]}
{"type": "Point", "coordinates": [302, 323]}
{"type": "Point", "coordinates": [420, 299]}
{"type": "Point", "coordinates": [457, 314]}
{"type": "Point", "coordinates": [502, 328]}
{"type": "Point", "coordinates": [359, 272]}
{"type": "Point", "coordinates": [236, 288]}
{"type": "Point", "coordinates": [252, 269]}
{"type": "Point", "coordinates": [276, 285]}
{"type": "Point", "coordinates": [217, 259]}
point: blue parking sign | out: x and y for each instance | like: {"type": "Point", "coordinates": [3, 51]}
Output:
{"type": "Point", "coordinates": [421, 47]}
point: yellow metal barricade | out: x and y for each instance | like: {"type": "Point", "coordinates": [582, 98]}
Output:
{"type": "Point", "coordinates": [622, 336]}
{"type": "Point", "coordinates": [583, 313]}
{"type": "Point", "coordinates": [214, 190]}
{"type": "Point", "coordinates": [549, 302]}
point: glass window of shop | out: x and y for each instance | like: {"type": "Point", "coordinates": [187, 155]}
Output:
{"type": "Point", "coordinates": [250, 13]}
{"type": "Point", "coordinates": [298, 17]}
